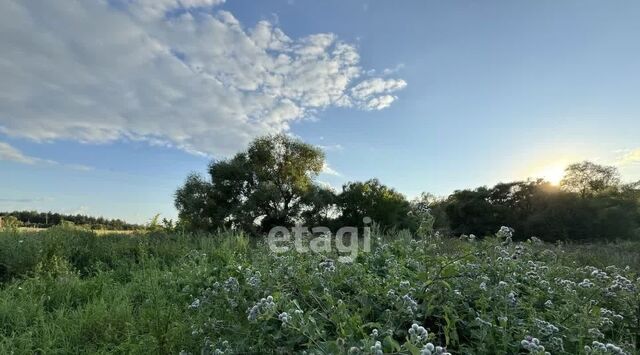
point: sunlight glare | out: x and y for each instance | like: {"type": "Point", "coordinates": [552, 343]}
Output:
{"type": "Point", "coordinates": [553, 174]}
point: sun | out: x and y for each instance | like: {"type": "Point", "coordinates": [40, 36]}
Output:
{"type": "Point", "coordinates": [552, 173]}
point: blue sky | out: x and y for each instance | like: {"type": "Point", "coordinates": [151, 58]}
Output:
{"type": "Point", "coordinates": [105, 107]}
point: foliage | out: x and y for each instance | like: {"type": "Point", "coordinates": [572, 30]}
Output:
{"type": "Point", "coordinates": [588, 178]}
{"type": "Point", "coordinates": [10, 222]}
{"type": "Point", "coordinates": [71, 291]}
{"type": "Point", "coordinates": [49, 219]}
{"type": "Point", "coordinates": [536, 208]}
{"type": "Point", "coordinates": [384, 205]}
{"type": "Point", "coordinates": [267, 184]}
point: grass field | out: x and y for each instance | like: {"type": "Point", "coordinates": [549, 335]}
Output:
{"type": "Point", "coordinates": [68, 291]}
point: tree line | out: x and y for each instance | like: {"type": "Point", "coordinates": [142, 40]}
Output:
{"type": "Point", "coordinates": [36, 219]}
{"type": "Point", "coordinates": [273, 183]}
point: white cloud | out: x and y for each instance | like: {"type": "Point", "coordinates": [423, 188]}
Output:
{"type": "Point", "coordinates": [174, 72]}
{"type": "Point", "coordinates": [373, 94]}
{"type": "Point", "coordinates": [326, 169]}
{"type": "Point", "coordinates": [331, 147]}
{"type": "Point", "coordinates": [10, 153]}
{"type": "Point", "coordinates": [630, 157]}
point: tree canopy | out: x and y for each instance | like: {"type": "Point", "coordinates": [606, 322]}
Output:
{"type": "Point", "coordinates": [264, 186]}
{"type": "Point", "coordinates": [588, 178]}
{"type": "Point", "coordinates": [272, 183]}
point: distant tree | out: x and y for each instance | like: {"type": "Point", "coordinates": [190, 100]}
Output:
{"type": "Point", "coordinates": [384, 205]}
{"type": "Point", "coordinates": [471, 211]}
{"type": "Point", "coordinates": [48, 219]}
{"type": "Point", "coordinates": [587, 178]}
{"type": "Point", "coordinates": [256, 189]}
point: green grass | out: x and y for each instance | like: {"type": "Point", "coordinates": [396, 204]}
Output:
{"type": "Point", "coordinates": [71, 291]}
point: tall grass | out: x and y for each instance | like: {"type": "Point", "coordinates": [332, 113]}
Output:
{"type": "Point", "coordinates": [66, 290]}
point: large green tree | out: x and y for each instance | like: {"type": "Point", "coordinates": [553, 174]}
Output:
{"type": "Point", "coordinates": [266, 185]}
{"type": "Point", "coordinates": [587, 178]}
{"type": "Point", "coordinates": [384, 205]}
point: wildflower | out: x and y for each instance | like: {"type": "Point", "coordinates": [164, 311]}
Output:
{"type": "Point", "coordinates": [545, 327]}
{"type": "Point", "coordinates": [410, 304]}
{"type": "Point", "coordinates": [532, 344]}
{"type": "Point", "coordinates": [195, 304]}
{"type": "Point", "coordinates": [231, 285]}
{"type": "Point", "coordinates": [284, 317]}
{"type": "Point", "coordinates": [374, 333]}
{"type": "Point", "coordinates": [327, 266]}
{"type": "Point", "coordinates": [505, 233]}
{"type": "Point", "coordinates": [264, 306]}
{"type": "Point", "coordinates": [586, 283]}
{"type": "Point", "coordinates": [595, 333]}
{"type": "Point", "coordinates": [418, 333]}
{"type": "Point", "coordinates": [254, 281]}
{"type": "Point", "coordinates": [377, 348]}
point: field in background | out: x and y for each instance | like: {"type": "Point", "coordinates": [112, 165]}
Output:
{"type": "Point", "coordinates": [65, 290]}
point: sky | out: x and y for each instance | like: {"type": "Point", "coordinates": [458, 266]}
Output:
{"type": "Point", "coordinates": [107, 105]}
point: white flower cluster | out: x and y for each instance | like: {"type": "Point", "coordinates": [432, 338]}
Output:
{"type": "Point", "coordinates": [284, 317]}
{"type": "Point", "coordinates": [598, 347]}
{"type": "Point", "coordinates": [410, 304]}
{"type": "Point", "coordinates": [586, 283]}
{"type": "Point", "coordinates": [505, 233]}
{"type": "Point", "coordinates": [374, 333]}
{"type": "Point", "coordinates": [231, 285]}
{"type": "Point", "coordinates": [195, 304]}
{"type": "Point", "coordinates": [566, 284]}
{"type": "Point", "coordinates": [599, 274]}
{"type": "Point", "coordinates": [621, 283]}
{"type": "Point", "coordinates": [606, 313]}
{"type": "Point", "coordinates": [376, 349]}
{"type": "Point", "coordinates": [327, 266]}
{"type": "Point", "coordinates": [533, 345]}
{"type": "Point", "coordinates": [208, 348]}
{"type": "Point", "coordinates": [595, 333]}
{"type": "Point", "coordinates": [545, 327]}
{"type": "Point", "coordinates": [417, 333]}
{"type": "Point", "coordinates": [264, 306]}
{"type": "Point", "coordinates": [255, 279]}
{"type": "Point", "coordinates": [430, 349]}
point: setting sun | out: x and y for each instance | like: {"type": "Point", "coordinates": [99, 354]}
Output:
{"type": "Point", "coordinates": [552, 173]}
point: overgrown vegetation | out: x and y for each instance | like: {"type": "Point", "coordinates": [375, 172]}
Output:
{"type": "Point", "coordinates": [65, 290]}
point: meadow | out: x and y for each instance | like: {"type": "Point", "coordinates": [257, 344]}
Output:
{"type": "Point", "coordinates": [66, 290]}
